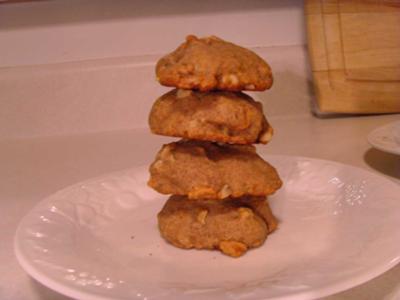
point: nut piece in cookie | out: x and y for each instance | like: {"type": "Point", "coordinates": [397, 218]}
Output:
{"type": "Point", "coordinates": [232, 248]}
{"type": "Point", "coordinates": [226, 117]}
{"type": "Point", "coordinates": [233, 226]}
{"type": "Point", "coordinates": [211, 63]}
{"type": "Point", "coordinates": [212, 171]}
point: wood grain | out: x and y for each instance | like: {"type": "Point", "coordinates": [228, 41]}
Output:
{"type": "Point", "coordinates": [354, 49]}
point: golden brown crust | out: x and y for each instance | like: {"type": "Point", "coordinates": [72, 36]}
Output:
{"type": "Point", "coordinates": [211, 63]}
{"type": "Point", "coordinates": [261, 207]}
{"type": "Point", "coordinates": [212, 171]}
{"type": "Point", "coordinates": [231, 225]}
{"type": "Point", "coordinates": [226, 117]}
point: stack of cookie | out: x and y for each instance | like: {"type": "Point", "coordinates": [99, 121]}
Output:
{"type": "Point", "coordinates": [218, 182]}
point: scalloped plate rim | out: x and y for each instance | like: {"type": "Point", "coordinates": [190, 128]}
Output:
{"type": "Point", "coordinates": [323, 291]}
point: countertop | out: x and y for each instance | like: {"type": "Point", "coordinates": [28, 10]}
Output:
{"type": "Point", "coordinates": [69, 106]}
{"type": "Point", "coordinates": [33, 168]}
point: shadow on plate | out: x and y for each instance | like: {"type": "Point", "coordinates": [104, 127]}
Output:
{"type": "Point", "coordinates": [374, 288]}
{"type": "Point", "coordinates": [45, 293]}
{"type": "Point", "coordinates": [386, 163]}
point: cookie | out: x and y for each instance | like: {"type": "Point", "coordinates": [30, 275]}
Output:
{"type": "Point", "coordinates": [233, 225]}
{"type": "Point", "coordinates": [212, 171]}
{"type": "Point", "coordinates": [211, 63]}
{"type": "Point", "coordinates": [227, 117]}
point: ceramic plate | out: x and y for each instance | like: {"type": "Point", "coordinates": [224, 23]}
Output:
{"type": "Point", "coordinates": [339, 227]}
{"type": "Point", "coordinates": [386, 138]}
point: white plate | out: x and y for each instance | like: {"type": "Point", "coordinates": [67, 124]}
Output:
{"type": "Point", "coordinates": [386, 138]}
{"type": "Point", "coordinates": [339, 227]}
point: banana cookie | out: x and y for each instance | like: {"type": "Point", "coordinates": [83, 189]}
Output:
{"type": "Point", "coordinates": [212, 171]}
{"type": "Point", "coordinates": [211, 63]}
{"type": "Point", "coordinates": [226, 117]}
{"type": "Point", "coordinates": [233, 225]}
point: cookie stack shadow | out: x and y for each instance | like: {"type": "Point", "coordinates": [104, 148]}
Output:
{"type": "Point", "coordinates": [219, 184]}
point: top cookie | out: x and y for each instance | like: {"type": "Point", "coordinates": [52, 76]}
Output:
{"type": "Point", "coordinates": [211, 63]}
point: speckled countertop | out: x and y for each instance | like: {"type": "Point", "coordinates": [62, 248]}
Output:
{"type": "Point", "coordinates": [63, 123]}
{"type": "Point", "coordinates": [34, 168]}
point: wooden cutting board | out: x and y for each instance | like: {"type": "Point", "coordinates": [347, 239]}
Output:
{"type": "Point", "coordinates": [354, 49]}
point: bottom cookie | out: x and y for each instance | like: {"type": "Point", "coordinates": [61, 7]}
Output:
{"type": "Point", "coordinates": [233, 225]}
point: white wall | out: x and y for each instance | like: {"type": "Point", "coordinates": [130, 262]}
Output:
{"type": "Point", "coordinates": [73, 30]}
{"type": "Point", "coordinates": [73, 67]}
